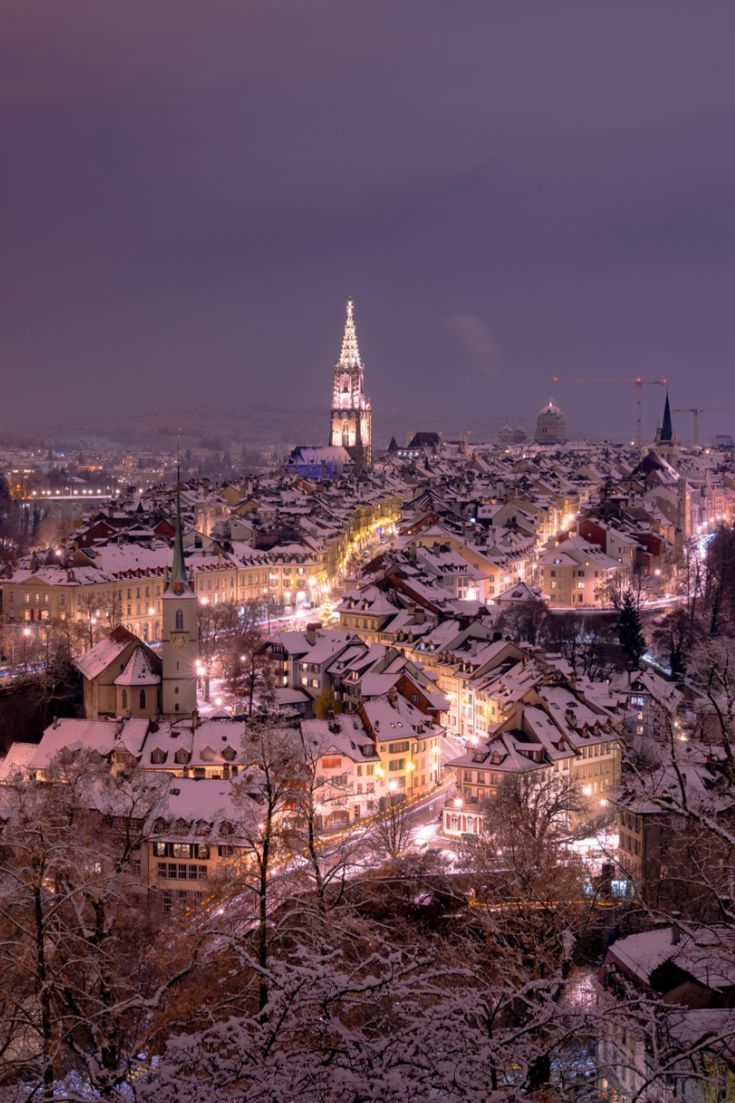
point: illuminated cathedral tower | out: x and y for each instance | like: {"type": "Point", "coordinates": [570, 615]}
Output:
{"type": "Point", "coordinates": [351, 421]}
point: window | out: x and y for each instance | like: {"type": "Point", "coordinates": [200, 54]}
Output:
{"type": "Point", "coordinates": [331, 763]}
{"type": "Point", "coordinates": [124, 699]}
{"type": "Point", "coordinates": [398, 748]}
{"type": "Point", "coordinates": [174, 871]}
{"type": "Point", "coordinates": [179, 620]}
{"type": "Point", "coordinates": [225, 851]}
{"type": "Point", "coordinates": [181, 850]}
{"type": "Point", "coordinates": [142, 698]}
{"type": "Point", "coordinates": [397, 764]}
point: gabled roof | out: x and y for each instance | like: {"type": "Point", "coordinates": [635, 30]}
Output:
{"type": "Point", "coordinates": [98, 658]}
{"type": "Point", "coordinates": [139, 671]}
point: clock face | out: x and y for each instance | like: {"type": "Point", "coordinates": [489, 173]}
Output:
{"type": "Point", "coordinates": [178, 639]}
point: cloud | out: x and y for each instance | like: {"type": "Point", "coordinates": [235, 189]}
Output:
{"type": "Point", "coordinates": [478, 342]}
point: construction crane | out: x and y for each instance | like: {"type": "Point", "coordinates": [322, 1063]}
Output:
{"type": "Point", "coordinates": [637, 382]}
{"type": "Point", "coordinates": [695, 411]}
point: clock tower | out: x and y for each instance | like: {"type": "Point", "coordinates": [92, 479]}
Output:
{"type": "Point", "coordinates": [179, 635]}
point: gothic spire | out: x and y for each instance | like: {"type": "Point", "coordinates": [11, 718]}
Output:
{"type": "Point", "coordinates": [350, 355]}
{"type": "Point", "coordinates": [667, 429]}
{"type": "Point", "coordinates": [178, 581]}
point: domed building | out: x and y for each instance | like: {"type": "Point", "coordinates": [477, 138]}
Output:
{"type": "Point", "coordinates": [510, 434]}
{"type": "Point", "coordinates": [550, 425]}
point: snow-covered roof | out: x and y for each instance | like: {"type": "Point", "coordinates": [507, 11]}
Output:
{"type": "Point", "coordinates": [17, 760]}
{"type": "Point", "coordinates": [138, 671]}
{"type": "Point", "coordinates": [93, 662]}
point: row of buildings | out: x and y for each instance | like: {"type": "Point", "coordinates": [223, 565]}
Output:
{"type": "Point", "coordinates": [567, 520]}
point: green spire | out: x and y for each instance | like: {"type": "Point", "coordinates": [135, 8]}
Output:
{"type": "Point", "coordinates": [178, 580]}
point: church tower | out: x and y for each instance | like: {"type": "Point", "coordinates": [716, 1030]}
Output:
{"type": "Point", "coordinates": [179, 636]}
{"type": "Point", "coordinates": [665, 442]}
{"type": "Point", "coordinates": [351, 423]}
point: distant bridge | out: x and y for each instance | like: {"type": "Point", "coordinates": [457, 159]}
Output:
{"type": "Point", "coordinates": [67, 496]}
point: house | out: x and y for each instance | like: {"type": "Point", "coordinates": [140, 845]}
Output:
{"type": "Point", "coordinates": [667, 1003]}
{"type": "Point", "coordinates": [551, 731]}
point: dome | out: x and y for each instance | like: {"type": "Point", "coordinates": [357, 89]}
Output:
{"type": "Point", "coordinates": [550, 425]}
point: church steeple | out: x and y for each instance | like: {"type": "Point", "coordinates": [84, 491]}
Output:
{"type": "Point", "coordinates": [351, 416]}
{"type": "Point", "coordinates": [179, 629]}
{"type": "Point", "coordinates": [667, 429]}
{"type": "Point", "coordinates": [178, 581]}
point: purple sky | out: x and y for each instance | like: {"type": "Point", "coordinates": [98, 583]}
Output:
{"type": "Point", "coordinates": [190, 190]}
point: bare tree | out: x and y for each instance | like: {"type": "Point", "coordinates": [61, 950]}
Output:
{"type": "Point", "coordinates": [245, 661]}
{"type": "Point", "coordinates": [80, 990]}
{"type": "Point", "coordinates": [524, 620]}
{"type": "Point", "coordinates": [216, 623]}
{"type": "Point", "coordinates": [392, 831]}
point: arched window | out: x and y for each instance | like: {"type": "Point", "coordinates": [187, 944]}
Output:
{"type": "Point", "coordinates": [124, 698]}
{"type": "Point", "coordinates": [179, 620]}
{"type": "Point", "coordinates": [142, 698]}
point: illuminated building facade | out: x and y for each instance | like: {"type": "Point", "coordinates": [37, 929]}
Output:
{"type": "Point", "coordinates": [351, 417]}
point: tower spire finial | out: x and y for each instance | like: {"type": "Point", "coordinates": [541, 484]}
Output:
{"type": "Point", "coordinates": [350, 355]}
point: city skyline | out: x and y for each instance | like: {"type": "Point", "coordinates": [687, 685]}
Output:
{"type": "Point", "coordinates": [514, 198]}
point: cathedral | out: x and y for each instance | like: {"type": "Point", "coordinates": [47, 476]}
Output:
{"type": "Point", "coordinates": [351, 417]}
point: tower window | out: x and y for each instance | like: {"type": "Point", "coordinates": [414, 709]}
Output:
{"type": "Point", "coordinates": [179, 619]}
{"type": "Point", "coordinates": [142, 698]}
{"type": "Point", "coordinates": [124, 698]}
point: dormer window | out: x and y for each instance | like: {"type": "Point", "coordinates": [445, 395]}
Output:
{"type": "Point", "coordinates": [158, 756]}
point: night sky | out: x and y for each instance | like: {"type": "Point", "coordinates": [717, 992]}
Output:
{"type": "Point", "coordinates": [191, 189]}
